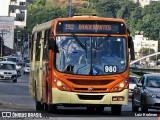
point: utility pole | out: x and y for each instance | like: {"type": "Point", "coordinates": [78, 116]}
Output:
{"type": "Point", "coordinates": [70, 8]}
{"type": "Point", "coordinates": [17, 46]}
{"type": "Point", "coordinates": [17, 43]}
{"type": "Point", "coordinates": [2, 44]}
{"type": "Point", "coordinates": [28, 47]}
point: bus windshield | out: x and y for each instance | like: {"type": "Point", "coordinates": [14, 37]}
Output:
{"type": "Point", "coordinates": [91, 55]}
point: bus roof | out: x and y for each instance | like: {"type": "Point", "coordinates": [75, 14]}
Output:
{"type": "Point", "coordinates": [42, 26]}
{"type": "Point", "coordinates": [85, 17]}
{"type": "Point", "coordinates": [47, 25]}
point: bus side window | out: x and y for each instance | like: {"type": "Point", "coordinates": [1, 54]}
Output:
{"type": "Point", "coordinates": [38, 46]}
{"type": "Point", "coordinates": [46, 48]}
{"type": "Point", "coordinates": [32, 44]}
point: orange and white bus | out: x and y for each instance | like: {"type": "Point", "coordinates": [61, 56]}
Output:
{"type": "Point", "coordinates": [70, 65]}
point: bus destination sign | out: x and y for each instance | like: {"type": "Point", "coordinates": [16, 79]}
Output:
{"type": "Point", "coordinates": [91, 27]}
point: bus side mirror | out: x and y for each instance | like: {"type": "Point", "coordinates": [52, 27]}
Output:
{"type": "Point", "coordinates": [131, 46]}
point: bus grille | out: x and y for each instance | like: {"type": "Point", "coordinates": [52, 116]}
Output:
{"type": "Point", "coordinates": [90, 97]}
{"type": "Point", "coordinates": [94, 89]}
{"type": "Point", "coordinates": [90, 82]}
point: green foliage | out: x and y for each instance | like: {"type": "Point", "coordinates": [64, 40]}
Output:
{"type": "Point", "coordinates": [138, 19]}
{"type": "Point", "coordinates": [146, 51]}
{"type": "Point", "coordinates": [150, 20]}
{"type": "Point", "coordinates": [41, 11]}
{"type": "Point", "coordinates": [106, 8]}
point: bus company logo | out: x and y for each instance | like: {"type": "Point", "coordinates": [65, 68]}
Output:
{"type": "Point", "coordinates": [90, 89]}
{"type": "Point", "coordinates": [6, 114]}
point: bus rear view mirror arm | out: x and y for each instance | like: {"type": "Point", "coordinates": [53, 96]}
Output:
{"type": "Point", "coordinates": [131, 46]}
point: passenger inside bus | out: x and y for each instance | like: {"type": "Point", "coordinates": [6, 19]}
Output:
{"type": "Point", "coordinates": [109, 53]}
{"type": "Point", "coordinates": [74, 54]}
{"type": "Point", "coordinates": [109, 56]}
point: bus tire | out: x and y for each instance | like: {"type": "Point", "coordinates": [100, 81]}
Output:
{"type": "Point", "coordinates": [39, 106]}
{"type": "Point", "coordinates": [15, 80]}
{"type": "Point", "coordinates": [116, 109]}
{"type": "Point", "coordinates": [100, 109]}
{"type": "Point", "coordinates": [45, 106]}
{"type": "Point", "coordinates": [90, 109]}
{"type": "Point", "coordinates": [52, 108]}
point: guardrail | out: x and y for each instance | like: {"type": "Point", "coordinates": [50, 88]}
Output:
{"type": "Point", "coordinates": [141, 71]}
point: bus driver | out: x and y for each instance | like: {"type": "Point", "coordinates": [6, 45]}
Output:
{"type": "Point", "coordinates": [109, 56]}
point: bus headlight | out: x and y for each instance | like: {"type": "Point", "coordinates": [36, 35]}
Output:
{"type": "Point", "coordinates": [120, 86]}
{"type": "Point", "coordinates": [60, 85]}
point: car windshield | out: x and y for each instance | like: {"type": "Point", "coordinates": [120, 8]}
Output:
{"type": "Point", "coordinates": [27, 65]}
{"type": "Point", "coordinates": [133, 80]}
{"type": "Point", "coordinates": [153, 81]}
{"type": "Point", "coordinates": [7, 67]}
{"type": "Point", "coordinates": [11, 59]}
{"type": "Point", "coordinates": [90, 55]}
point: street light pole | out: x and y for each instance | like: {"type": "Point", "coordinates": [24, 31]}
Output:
{"type": "Point", "coordinates": [70, 8]}
{"type": "Point", "coordinates": [17, 43]}
{"type": "Point", "coordinates": [2, 44]}
{"type": "Point", "coordinates": [17, 47]}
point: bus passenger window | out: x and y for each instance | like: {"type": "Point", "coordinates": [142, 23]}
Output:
{"type": "Point", "coordinates": [38, 46]}
{"type": "Point", "coordinates": [45, 48]}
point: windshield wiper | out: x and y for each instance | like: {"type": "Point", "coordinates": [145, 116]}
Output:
{"type": "Point", "coordinates": [79, 42]}
{"type": "Point", "coordinates": [103, 41]}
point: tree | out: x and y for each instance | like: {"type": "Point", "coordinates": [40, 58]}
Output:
{"type": "Point", "coordinates": [107, 8]}
{"type": "Point", "coordinates": [142, 19]}
{"type": "Point", "coordinates": [146, 51]}
{"type": "Point", "coordinates": [150, 20]}
{"type": "Point", "coordinates": [43, 12]}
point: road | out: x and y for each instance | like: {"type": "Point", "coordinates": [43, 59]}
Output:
{"type": "Point", "coordinates": [16, 97]}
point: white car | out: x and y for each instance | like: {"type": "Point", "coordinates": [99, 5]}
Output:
{"type": "Point", "coordinates": [8, 71]}
{"type": "Point", "coordinates": [27, 68]}
{"type": "Point", "coordinates": [152, 64]}
{"type": "Point", "coordinates": [132, 83]}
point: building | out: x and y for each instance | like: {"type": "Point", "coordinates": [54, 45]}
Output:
{"type": "Point", "coordinates": [145, 2]}
{"type": "Point", "coordinates": [143, 42]}
{"type": "Point", "coordinates": [16, 9]}
{"type": "Point", "coordinates": [12, 15]}
{"type": "Point", "coordinates": [4, 7]}
{"type": "Point", "coordinates": [6, 34]}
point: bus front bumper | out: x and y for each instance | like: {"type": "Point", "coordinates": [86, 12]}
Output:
{"type": "Point", "coordinates": [65, 97]}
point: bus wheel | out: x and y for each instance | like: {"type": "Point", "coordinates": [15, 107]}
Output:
{"type": "Point", "coordinates": [116, 109]}
{"type": "Point", "coordinates": [46, 106]}
{"type": "Point", "coordinates": [100, 109]}
{"type": "Point", "coordinates": [90, 109]}
{"type": "Point", "coordinates": [39, 106]}
{"type": "Point", "coordinates": [52, 108]}
{"type": "Point", "coordinates": [15, 80]}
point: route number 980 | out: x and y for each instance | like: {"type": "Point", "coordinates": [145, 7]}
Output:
{"type": "Point", "coordinates": [110, 69]}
